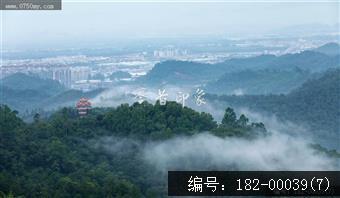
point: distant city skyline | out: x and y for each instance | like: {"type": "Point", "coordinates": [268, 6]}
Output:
{"type": "Point", "coordinates": [84, 22]}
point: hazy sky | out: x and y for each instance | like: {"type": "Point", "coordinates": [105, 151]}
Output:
{"type": "Point", "coordinates": [86, 22]}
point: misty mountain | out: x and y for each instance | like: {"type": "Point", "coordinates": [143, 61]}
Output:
{"type": "Point", "coordinates": [68, 98]}
{"type": "Point", "coordinates": [179, 72]}
{"type": "Point", "coordinates": [126, 151]}
{"type": "Point", "coordinates": [258, 82]}
{"type": "Point", "coordinates": [309, 60]}
{"type": "Point", "coordinates": [331, 49]}
{"type": "Point", "coordinates": [102, 154]}
{"type": "Point", "coordinates": [21, 81]}
{"type": "Point", "coordinates": [26, 92]}
{"type": "Point", "coordinates": [315, 104]}
{"type": "Point", "coordinates": [23, 91]}
{"type": "Point", "coordinates": [22, 99]}
{"type": "Point", "coordinates": [192, 73]}
{"type": "Point", "coordinates": [184, 72]}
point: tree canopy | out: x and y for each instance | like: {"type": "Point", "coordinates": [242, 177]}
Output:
{"type": "Point", "coordinates": [56, 156]}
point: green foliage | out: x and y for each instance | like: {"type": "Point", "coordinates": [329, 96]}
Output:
{"type": "Point", "coordinates": [58, 156]}
{"type": "Point", "coordinates": [20, 81]}
{"type": "Point", "coordinates": [242, 121]}
{"type": "Point", "coordinates": [330, 153]}
{"type": "Point", "coordinates": [315, 104]}
{"type": "Point", "coordinates": [143, 120]}
{"type": "Point", "coordinates": [229, 118]}
{"type": "Point", "coordinates": [231, 126]}
{"type": "Point", "coordinates": [8, 119]}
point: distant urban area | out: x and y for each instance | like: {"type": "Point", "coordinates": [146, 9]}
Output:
{"type": "Point", "coordinates": [89, 72]}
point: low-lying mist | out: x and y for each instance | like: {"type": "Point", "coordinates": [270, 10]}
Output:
{"type": "Point", "coordinates": [286, 148]}
{"type": "Point", "coordinates": [205, 151]}
{"type": "Point", "coordinates": [128, 94]}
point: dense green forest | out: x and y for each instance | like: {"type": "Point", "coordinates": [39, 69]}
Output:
{"type": "Point", "coordinates": [59, 154]}
{"type": "Point", "coordinates": [55, 156]}
{"type": "Point", "coordinates": [315, 104]}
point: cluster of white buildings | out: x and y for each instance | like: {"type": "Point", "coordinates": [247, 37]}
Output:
{"type": "Point", "coordinates": [69, 75]}
{"type": "Point", "coordinates": [169, 53]}
{"type": "Point", "coordinates": [79, 78]}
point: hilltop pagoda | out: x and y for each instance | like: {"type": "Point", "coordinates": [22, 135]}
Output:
{"type": "Point", "coordinates": [83, 106]}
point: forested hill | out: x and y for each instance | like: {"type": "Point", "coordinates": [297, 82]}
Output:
{"type": "Point", "coordinates": [316, 103]}
{"type": "Point", "coordinates": [25, 92]}
{"type": "Point", "coordinates": [331, 49]}
{"type": "Point", "coordinates": [184, 72]}
{"type": "Point", "coordinates": [179, 72]}
{"type": "Point", "coordinates": [259, 82]}
{"type": "Point", "coordinates": [62, 156]}
{"type": "Point", "coordinates": [21, 81]}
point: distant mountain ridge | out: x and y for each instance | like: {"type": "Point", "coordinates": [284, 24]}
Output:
{"type": "Point", "coordinates": [22, 91]}
{"type": "Point", "coordinates": [264, 81]}
{"type": "Point", "coordinates": [331, 49]}
{"type": "Point", "coordinates": [21, 81]}
{"type": "Point", "coordinates": [184, 72]}
{"type": "Point", "coordinates": [26, 92]}
{"type": "Point", "coordinates": [308, 60]}
{"type": "Point", "coordinates": [316, 103]}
